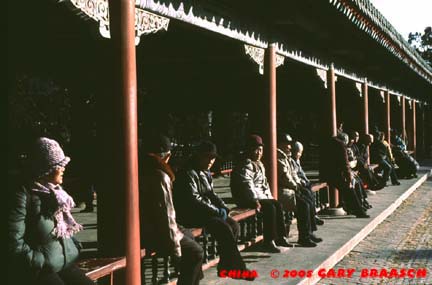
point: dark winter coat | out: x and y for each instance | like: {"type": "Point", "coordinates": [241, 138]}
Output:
{"type": "Point", "coordinates": [334, 164]}
{"type": "Point", "coordinates": [32, 244]}
{"type": "Point", "coordinates": [194, 198]}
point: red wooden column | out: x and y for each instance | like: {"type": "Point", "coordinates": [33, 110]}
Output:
{"type": "Point", "coordinates": [366, 110]}
{"type": "Point", "coordinates": [414, 127]}
{"type": "Point", "coordinates": [331, 83]}
{"type": "Point", "coordinates": [365, 107]}
{"type": "Point", "coordinates": [122, 26]}
{"type": "Point", "coordinates": [271, 146]}
{"type": "Point", "coordinates": [404, 136]}
{"type": "Point", "coordinates": [388, 114]}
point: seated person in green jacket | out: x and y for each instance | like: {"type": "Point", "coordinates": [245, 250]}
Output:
{"type": "Point", "coordinates": [41, 245]}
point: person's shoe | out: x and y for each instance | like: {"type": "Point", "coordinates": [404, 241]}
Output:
{"type": "Point", "coordinates": [395, 183]}
{"type": "Point", "coordinates": [315, 239]}
{"type": "Point", "coordinates": [362, 216]}
{"type": "Point", "coordinates": [306, 243]}
{"type": "Point", "coordinates": [270, 247]}
{"type": "Point", "coordinates": [283, 242]}
{"type": "Point", "coordinates": [319, 221]}
{"type": "Point", "coordinates": [370, 192]}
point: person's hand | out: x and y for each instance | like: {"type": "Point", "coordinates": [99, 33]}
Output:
{"type": "Point", "coordinates": [223, 213]}
{"type": "Point", "coordinates": [258, 206]}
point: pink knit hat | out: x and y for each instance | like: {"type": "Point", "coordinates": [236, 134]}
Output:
{"type": "Point", "coordinates": [46, 155]}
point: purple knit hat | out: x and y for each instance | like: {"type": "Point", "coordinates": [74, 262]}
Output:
{"type": "Point", "coordinates": [46, 156]}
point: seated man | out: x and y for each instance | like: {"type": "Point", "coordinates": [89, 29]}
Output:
{"type": "Point", "coordinates": [305, 203]}
{"type": "Point", "coordinates": [335, 170]}
{"type": "Point", "coordinates": [197, 205]}
{"type": "Point", "coordinates": [408, 166]}
{"type": "Point", "coordinates": [250, 190]}
{"type": "Point", "coordinates": [296, 154]}
{"type": "Point", "coordinates": [382, 155]}
{"type": "Point", "coordinates": [159, 229]}
{"type": "Point", "coordinates": [365, 171]}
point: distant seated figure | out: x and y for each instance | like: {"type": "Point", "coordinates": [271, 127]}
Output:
{"type": "Point", "coordinates": [408, 166]}
{"type": "Point", "coordinates": [365, 171]}
{"type": "Point", "coordinates": [197, 205]}
{"type": "Point", "coordinates": [382, 155]}
{"type": "Point", "coordinates": [288, 181]}
{"type": "Point", "coordinates": [250, 189]}
{"type": "Point", "coordinates": [336, 171]}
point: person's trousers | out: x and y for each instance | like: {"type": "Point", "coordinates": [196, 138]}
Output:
{"type": "Point", "coordinates": [274, 225]}
{"type": "Point", "coordinates": [352, 203]}
{"type": "Point", "coordinates": [226, 233]}
{"type": "Point", "coordinates": [190, 266]}
{"type": "Point", "coordinates": [368, 176]}
{"type": "Point", "coordinates": [71, 275]}
{"type": "Point", "coordinates": [305, 213]}
{"type": "Point", "coordinates": [389, 171]}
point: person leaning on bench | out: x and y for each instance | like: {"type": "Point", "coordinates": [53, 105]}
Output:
{"type": "Point", "coordinates": [289, 183]}
{"type": "Point", "coordinates": [336, 171]}
{"type": "Point", "coordinates": [41, 246]}
{"type": "Point", "coordinates": [197, 205]}
{"type": "Point", "coordinates": [159, 229]}
{"type": "Point", "coordinates": [296, 154]}
{"type": "Point", "coordinates": [250, 189]}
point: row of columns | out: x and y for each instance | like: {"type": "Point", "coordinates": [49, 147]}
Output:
{"type": "Point", "coordinates": [270, 137]}
{"type": "Point", "coordinates": [123, 40]}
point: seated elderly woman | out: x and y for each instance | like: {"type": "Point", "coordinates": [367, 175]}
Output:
{"type": "Point", "coordinates": [41, 245]}
{"type": "Point", "coordinates": [288, 181]}
{"type": "Point", "coordinates": [297, 152]}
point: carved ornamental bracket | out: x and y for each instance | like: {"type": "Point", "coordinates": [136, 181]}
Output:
{"type": "Point", "coordinates": [322, 74]}
{"type": "Point", "coordinates": [359, 88]}
{"type": "Point", "coordinates": [399, 99]}
{"type": "Point", "coordinates": [257, 55]}
{"type": "Point", "coordinates": [382, 95]}
{"type": "Point", "coordinates": [145, 22]}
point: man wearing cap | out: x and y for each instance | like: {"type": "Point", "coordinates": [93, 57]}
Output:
{"type": "Point", "coordinates": [198, 205]}
{"type": "Point", "coordinates": [159, 229]}
{"type": "Point", "coordinates": [288, 181]}
{"type": "Point", "coordinates": [250, 189]}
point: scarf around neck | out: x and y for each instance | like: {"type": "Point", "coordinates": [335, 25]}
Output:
{"type": "Point", "coordinates": [65, 225]}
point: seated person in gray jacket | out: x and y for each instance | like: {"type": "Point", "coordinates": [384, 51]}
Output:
{"type": "Point", "coordinates": [296, 154]}
{"type": "Point", "coordinates": [197, 205]}
{"type": "Point", "coordinates": [305, 203]}
{"type": "Point", "coordinates": [250, 189]}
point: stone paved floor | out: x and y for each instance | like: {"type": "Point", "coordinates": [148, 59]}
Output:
{"type": "Point", "coordinates": [403, 240]}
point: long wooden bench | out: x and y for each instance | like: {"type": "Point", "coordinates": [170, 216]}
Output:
{"type": "Point", "coordinates": [97, 268]}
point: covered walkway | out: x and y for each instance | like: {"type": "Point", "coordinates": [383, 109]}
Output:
{"type": "Point", "coordinates": [340, 234]}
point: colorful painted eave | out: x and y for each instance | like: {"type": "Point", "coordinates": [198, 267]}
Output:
{"type": "Point", "coordinates": [360, 12]}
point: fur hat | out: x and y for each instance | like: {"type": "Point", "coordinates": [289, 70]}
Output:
{"type": "Point", "coordinates": [46, 155]}
{"type": "Point", "coordinates": [254, 141]}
